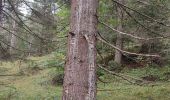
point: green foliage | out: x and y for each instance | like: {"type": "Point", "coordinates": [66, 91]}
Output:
{"type": "Point", "coordinates": [121, 91]}
{"type": "Point", "coordinates": [56, 60]}
{"type": "Point", "coordinates": [58, 79]}
{"type": "Point", "coordinates": [113, 66]}
{"type": "Point", "coordinates": [34, 84]}
{"type": "Point", "coordinates": [100, 72]}
{"type": "Point", "coordinates": [7, 92]}
{"type": "Point", "coordinates": [160, 74]}
{"type": "Point", "coordinates": [46, 83]}
{"type": "Point", "coordinates": [42, 77]}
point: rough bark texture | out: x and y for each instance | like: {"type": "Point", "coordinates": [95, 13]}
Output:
{"type": "Point", "coordinates": [119, 41]}
{"type": "Point", "coordinates": [80, 69]}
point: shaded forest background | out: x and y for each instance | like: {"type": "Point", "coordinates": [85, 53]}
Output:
{"type": "Point", "coordinates": [33, 44]}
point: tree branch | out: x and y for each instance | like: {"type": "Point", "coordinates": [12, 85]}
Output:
{"type": "Point", "coordinates": [146, 16]}
{"type": "Point", "coordinates": [123, 33]}
{"type": "Point", "coordinates": [125, 77]}
{"type": "Point", "coordinates": [122, 51]}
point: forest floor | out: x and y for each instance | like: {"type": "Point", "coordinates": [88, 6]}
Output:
{"type": "Point", "coordinates": [34, 81]}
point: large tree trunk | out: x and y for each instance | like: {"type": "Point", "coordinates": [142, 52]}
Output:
{"type": "Point", "coordinates": [119, 40]}
{"type": "Point", "coordinates": [80, 69]}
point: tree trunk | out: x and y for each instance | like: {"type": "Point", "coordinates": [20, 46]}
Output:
{"type": "Point", "coordinates": [80, 69]}
{"type": "Point", "coordinates": [119, 41]}
{"type": "Point", "coordinates": [14, 27]}
{"type": "Point", "coordinates": [1, 7]}
{"type": "Point", "coordinates": [13, 41]}
{"type": "Point", "coordinates": [119, 44]}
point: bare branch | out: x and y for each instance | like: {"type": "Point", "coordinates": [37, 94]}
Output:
{"type": "Point", "coordinates": [24, 51]}
{"type": "Point", "coordinates": [13, 8]}
{"type": "Point", "coordinates": [125, 77]}
{"type": "Point", "coordinates": [128, 13]}
{"type": "Point", "coordinates": [18, 36]}
{"type": "Point", "coordinates": [123, 33]}
{"type": "Point", "coordinates": [122, 51]}
{"type": "Point", "coordinates": [144, 15]}
{"type": "Point", "coordinates": [28, 29]}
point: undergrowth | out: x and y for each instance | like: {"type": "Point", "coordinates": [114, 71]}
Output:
{"type": "Point", "coordinates": [37, 79]}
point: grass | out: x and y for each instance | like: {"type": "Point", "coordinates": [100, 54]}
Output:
{"type": "Point", "coordinates": [121, 91]}
{"type": "Point", "coordinates": [35, 84]}
{"type": "Point", "coordinates": [30, 87]}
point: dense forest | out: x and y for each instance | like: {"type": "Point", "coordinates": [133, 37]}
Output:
{"type": "Point", "coordinates": [84, 50]}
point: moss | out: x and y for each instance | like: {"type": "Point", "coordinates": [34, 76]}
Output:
{"type": "Point", "coordinates": [38, 87]}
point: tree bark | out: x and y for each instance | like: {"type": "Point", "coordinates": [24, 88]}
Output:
{"type": "Point", "coordinates": [80, 69]}
{"type": "Point", "coordinates": [13, 40]}
{"type": "Point", "coordinates": [119, 40]}
{"type": "Point", "coordinates": [1, 7]}
{"type": "Point", "coordinates": [14, 26]}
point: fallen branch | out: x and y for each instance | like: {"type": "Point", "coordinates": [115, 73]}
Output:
{"type": "Point", "coordinates": [10, 75]}
{"type": "Point", "coordinates": [7, 85]}
{"type": "Point", "coordinates": [105, 90]}
{"type": "Point", "coordinates": [3, 84]}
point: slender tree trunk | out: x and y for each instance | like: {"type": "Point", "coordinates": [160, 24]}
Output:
{"type": "Point", "coordinates": [13, 40]}
{"type": "Point", "coordinates": [80, 69]}
{"type": "Point", "coordinates": [119, 41]}
{"type": "Point", "coordinates": [1, 49]}
{"type": "Point", "coordinates": [14, 27]}
{"type": "Point", "coordinates": [30, 46]}
{"type": "Point", "coordinates": [4, 53]}
{"type": "Point", "coordinates": [1, 12]}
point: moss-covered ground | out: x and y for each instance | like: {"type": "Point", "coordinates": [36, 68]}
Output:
{"type": "Point", "coordinates": [32, 80]}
